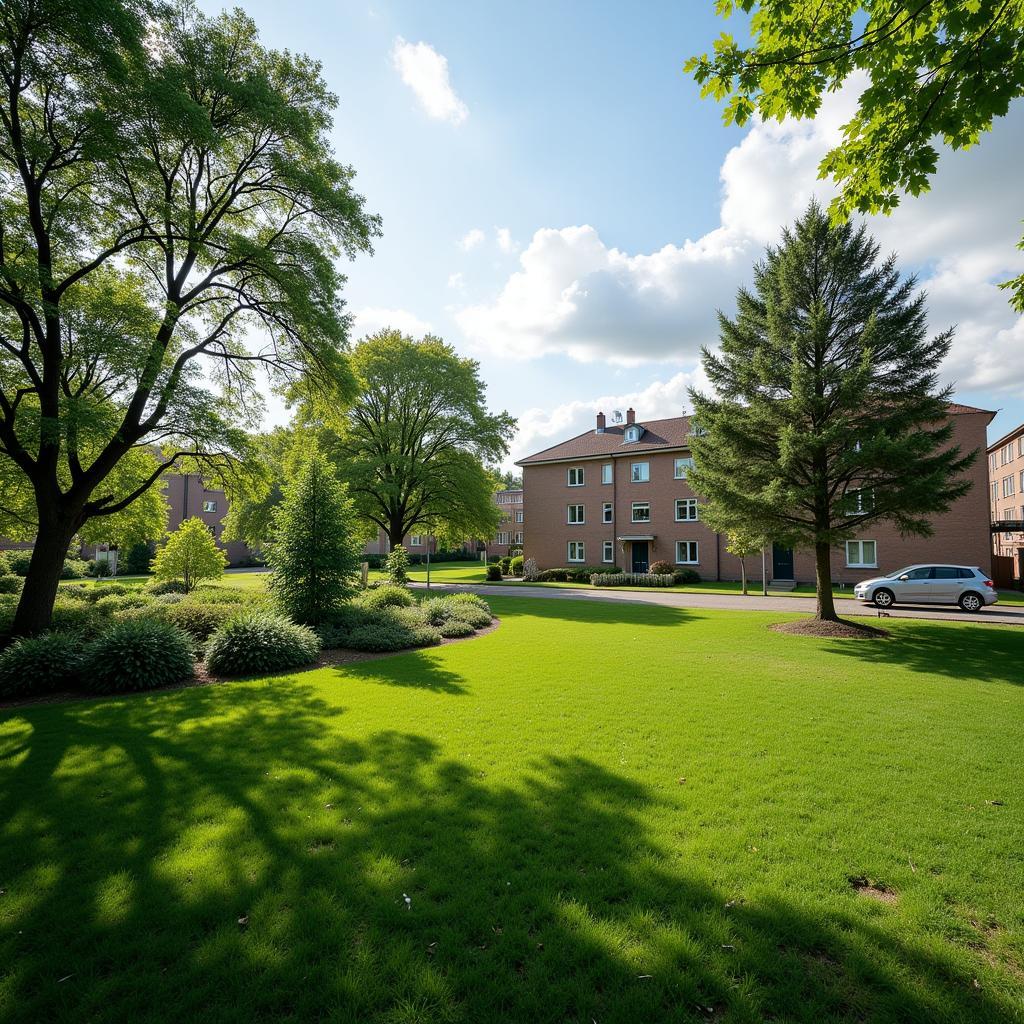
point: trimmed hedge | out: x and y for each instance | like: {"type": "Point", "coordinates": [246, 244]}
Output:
{"type": "Point", "coordinates": [258, 642]}
{"type": "Point", "coordinates": [40, 664]}
{"type": "Point", "coordinates": [632, 579]}
{"type": "Point", "coordinates": [137, 654]}
{"type": "Point", "coordinates": [576, 573]}
{"type": "Point", "coordinates": [683, 576]}
{"type": "Point", "coordinates": [494, 572]}
{"type": "Point", "coordinates": [10, 584]}
{"type": "Point", "coordinates": [516, 566]}
{"type": "Point", "coordinates": [391, 636]}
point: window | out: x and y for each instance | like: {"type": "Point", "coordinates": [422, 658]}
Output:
{"type": "Point", "coordinates": [1022, 481]}
{"type": "Point", "coordinates": [576, 551]}
{"type": "Point", "coordinates": [683, 466]}
{"type": "Point", "coordinates": [1009, 514]}
{"type": "Point", "coordinates": [576, 476]}
{"type": "Point", "coordinates": [641, 511]}
{"type": "Point", "coordinates": [995, 492]}
{"type": "Point", "coordinates": [640, 472]}
{"type": "Point", "coordinates": [861, 554]}
{"type": "Point", "coordinates": [209, 506]}
{"type": "Point", "coordinates": [632, 434]}
{"type": "Point", "coordinates": [503, 538]}
{"type": "Point", "coordinates": [1008, 489]}
{"type": "Point", "coordinates": [608, 551]}
{"type": "Point", "coordinates": [686, 510]}
{"type": "Point", "coordinates": [686, 552]}
{"type": "Point", "coordinates": [574, 515]}
{"type": "Point", "coordinates": [606, 473]}
{"type": "Point", "coordinates": [606, 512]}
{"type": "Point", "coordinates": [519, 537]}
{"type": "Point", "coordinates": [519, 516]}
{"type": "Point", "coordinates": [416, 541]}
{"type": "Point", "coordinates": [1020, 445]}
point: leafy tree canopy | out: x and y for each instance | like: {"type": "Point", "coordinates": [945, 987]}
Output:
{"type": "Point", "coordinates": [936, 69]}
{"type": "Point", "coordinates": [190, 555]}
{"type": "Point", "coordinates": [828, 414]}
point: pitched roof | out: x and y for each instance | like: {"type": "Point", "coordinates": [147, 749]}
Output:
{"type": "Point", "coordinates": [670, 433]}
{"type": "Point", "coordinates": [658, 434]}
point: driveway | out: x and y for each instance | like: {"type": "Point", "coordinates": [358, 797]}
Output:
{"type": "Point", "coordinates": [1012, 615]}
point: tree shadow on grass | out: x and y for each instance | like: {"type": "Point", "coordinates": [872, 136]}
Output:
{"type": "Point", "coordinates": [988, 653]}
{"type": "Point", "coordinates": [420, 669]}
{"type": "Point", "coordinates": [231, 855]}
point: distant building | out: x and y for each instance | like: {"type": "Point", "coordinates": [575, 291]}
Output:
{"type": "Point", "coordinates": [513, 523]}
{"type": "Point", "coordinates": [1006, 499]}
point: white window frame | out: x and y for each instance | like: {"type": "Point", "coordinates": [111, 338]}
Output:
{"type": "Point", "coordinates": [503, 537]}
{"type": "Point", "coordinates": [640, 505]}
{"type": "Point", "coordinates": [632, 434]}
{"type": "Point", "coordinates": [860, 562]}
{"type": "Point", "coordinates": [582, 514]}
{"type": "Point", "coordinates": [608, 551]}
{"type": "Point", "coordinates": [579, 548]}
{"type": "Point", "coordinates": [681, 467]}
{"type": "Point", "coordinates": [210, 505]}
{"type": "Point", "coordinates": [416, 540]}
{"type": "Point", "coordinates": [607, 472]}
{"type": "Point", "coordinates": [690, 506]}
{"type": "Point", "coordinates": [607, 512]}
{"type": "Point", "coordinates": [575, 476]}
{"type": "Point", "coordinates": [644, 474]}
{"type": "Point", "coordinates": [692, 548]}
{"type": "Point", "coordinates": [519, 516]}
{"type": "Point", "coordinates": [518, 539]}
{"type": "Point", "coordinates": [1008, 486]}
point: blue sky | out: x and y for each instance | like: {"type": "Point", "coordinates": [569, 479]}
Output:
{"type": "Point", "coordinates": [559, 203]}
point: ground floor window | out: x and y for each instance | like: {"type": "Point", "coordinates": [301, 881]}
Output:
{"type": "Point", "coordinates": [861, 554]}
{"type": "Point", "coordinates": [503, 538]}
{"type": "Point", "coordinates": [686, 552]}
{"type": "Point", "coordinates": [608, 552]}
{"type": "Point", "coordinates": [519, 538]}
{"type": "Point", "coordinates": [576, 551]}
{"type": "Point", "coordinates": [416, 541]}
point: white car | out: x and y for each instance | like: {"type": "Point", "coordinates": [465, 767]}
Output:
{"type": "Point", "coordinates": [965, 585]}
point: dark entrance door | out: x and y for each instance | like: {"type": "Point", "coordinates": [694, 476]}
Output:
{"type": "Point", "coordinates": [640, 556]}
{"type": "Point", "coordinates": [782, 563]}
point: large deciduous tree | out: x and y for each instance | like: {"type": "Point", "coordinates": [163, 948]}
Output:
{"type": "Point", "coordinates": [936, 69]}
{"type": "Point", "coordinates": [167, 191]}
{"type": "Point", "coordinates": [828, 414]}
{"type": "Point", "coordinates": [416, 442]}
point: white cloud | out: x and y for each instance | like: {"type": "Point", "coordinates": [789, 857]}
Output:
{"type": "Point", "coordinates": [505, 243]}
{"type": "Point", "coordinates": [457, 281]}
{"type": "Point", "coordinates": [574, 295]}
{"type": "Point", "coordinates": [425, 71]}
{"type": "Point", "coordinates": [540, 428]}
{"type": "Point", "coordinates": [471, 239]}
{"type": "Point", "coordinates": [371, 319]}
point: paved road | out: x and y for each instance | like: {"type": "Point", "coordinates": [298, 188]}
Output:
{"type": "Point", "coordinates": [1004, 614]}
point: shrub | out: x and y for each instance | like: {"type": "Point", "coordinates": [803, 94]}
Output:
{"type": "Point", "coordinates": [506, 565]}
{"type": "Point", "coordinates": [516, 566]}
{"type": "Point", "coordinates": [137, 654]}
{"type": "Point", "coordinates": [10, 584]}
{"type": "Point", "coordinates": [379, 629]}
{"type": "Point", "coordinates": [212, 594]}
{"type": "Point", "coordinates": [19, 562]}
{"type": "Point", "coordinates": [396, 565]}
{"type": "Point", "coordinates": [5, 565]}
{"type": "Point", "coordinates": [494, 572]}
{"type": "Point", "coordinates": [391, 636]}
{"type": "Point", "coordinates": [40, 664]}
{"type": "Point", "coordinates": [171, 598]}
{"type": "Point", "coordinates": [73, 615]}
{"type": "Point", "coordinates": [137, 560]}
{"type": "Point", "coordinates": [661, 568]}
{"type": "Point", "coordinates": [681, 576]}
{"type": "Point", "coordinates": [630, 579]}
{"type": "Point", "coordinates": [190, 555]}
{"type": "Point", "coordinates": [258, 642]}
{"type": "Point", "coordinates": [94, 593]}
{"type": "Point", "coordinates": [110, 603]}
{"type": "Point", "coordinates": [455, 629]}
{"type": "Point", "coordinates": [455, 607]}
{"type": "Point", "coordinates": [386, 596]}
{"type": "Point", "coordinates": [74, 569]}
{"type": "Point", "coordinates": [158, 587]}
{"type": "Point", "coordinates": [200, 621]}
{"type": "Point", "coordinates": [530, 571]}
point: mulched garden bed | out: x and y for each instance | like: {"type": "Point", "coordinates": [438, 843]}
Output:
{"type": "Point", "coordinates": [844, 629]}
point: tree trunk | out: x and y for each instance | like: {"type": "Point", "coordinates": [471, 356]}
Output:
{"type": "Point", "coordinates": [823, 582]}
{"type": "Point", "coordinates": [743, 575]}
{"type": "Point", "coordinates": [395, 534]}
{"type": "Point", "coordinates": [35, 608]}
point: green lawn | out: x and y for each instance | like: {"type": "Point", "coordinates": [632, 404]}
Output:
{"type": "Point", "coordinates": [599, 812]}
{"type": "Point", "coordinates": [443, 572]}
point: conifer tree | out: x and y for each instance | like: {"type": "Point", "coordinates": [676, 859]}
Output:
{"type": "Point", "coordinates": [828, 413]}
{"type": "Point", "coordinates": [315, 551]}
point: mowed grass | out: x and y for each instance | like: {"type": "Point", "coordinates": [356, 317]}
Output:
{"type": "Point", "coordinates": [598, 812]}
{"type": "Point", "coordinates": [442, 572]}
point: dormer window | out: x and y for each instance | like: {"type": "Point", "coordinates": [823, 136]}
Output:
{"type": "Point", "coordinates": [632, 434]}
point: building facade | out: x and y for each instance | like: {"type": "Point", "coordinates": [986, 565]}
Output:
{"type": "Point", "coordinates": [190, 498]}
{"type": "Point", "coordinates": [1006, 498]}
{"type": "Point", "coordinates": [619, 495]}
{"type": "Point", "coordinates": [512, 527]}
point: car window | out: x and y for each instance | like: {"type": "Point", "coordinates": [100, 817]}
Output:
{"type": "Point", "coordinates": [920, 574]}
{"type": "Point", "coordinates": [946, 572]}
{"type": "Point", "coordinates": [965, 574]}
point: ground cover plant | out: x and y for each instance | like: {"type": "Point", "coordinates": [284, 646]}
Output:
{"type": "Point", "coordinates": [608, 812]}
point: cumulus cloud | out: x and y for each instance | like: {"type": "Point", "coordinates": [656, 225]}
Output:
{"type": "Point", "coordinates": [371, 319]}
{"type": "Point", "coordinates": [425, 71]}
{"type": "Point", "coordinates": [574, 295]}
{"type": "Point", "coordinates": [471, 239]}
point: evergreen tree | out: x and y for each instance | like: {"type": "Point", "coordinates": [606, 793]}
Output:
{"type": "Point", "coordinates": [315, 552]}
{"type": "Point", "coordinates": [190, 555]}
{"type": "Point", "coordinates": [828, 413]}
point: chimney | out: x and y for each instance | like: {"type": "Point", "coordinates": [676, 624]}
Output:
{"type": "Point", "coordinates": [600, 423]}
{"type": "Point", "coordinates": [631, 415]}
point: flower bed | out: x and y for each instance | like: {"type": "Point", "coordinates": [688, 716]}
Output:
{"type": "Point", "coordinates": [632, 579]}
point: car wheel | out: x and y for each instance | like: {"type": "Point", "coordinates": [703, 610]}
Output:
{"type": "Point", "coordinates": [970, 602]}
{"type": "Point", "coordinates": [883, 598]}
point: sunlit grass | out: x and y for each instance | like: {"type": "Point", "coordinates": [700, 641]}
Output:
{"type": "Point", "coordinates": [599, 812]}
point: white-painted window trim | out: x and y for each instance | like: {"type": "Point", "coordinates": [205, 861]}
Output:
{"type": "Point", "coordinates": [575, 476]}
{"type": "Point", "coordinates": [689, 505]}
{"type": "Point", "coordinates": [576, 515]}
{"type": "Point", "coordinates": [687, 552]}
{"type": "Point", "coordinates": [575, 551]}
{"type": "Point", "coordinates": [608, 551]}
{"type": "Point", "coordinates": [855, 548]}
{"type": "Point", "coordinates": [607, 512]}
{"type": "Point", "coordinates": [607, 473]}
{"type": "Point", "coordinates": [640, 472]}
{"type": "Point", "coordinates": [636, 507]}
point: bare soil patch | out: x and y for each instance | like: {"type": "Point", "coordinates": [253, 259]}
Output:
{"type": "Point", "coordinates": [873, 890]}
{"type": "Point", "coordinates": [844, 629]}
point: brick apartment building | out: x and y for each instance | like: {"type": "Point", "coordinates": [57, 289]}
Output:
{"type": "Point", "coordinates": [618, 495]}
{"type": "Point", "coordinates": [512, 525]}
{"type": "Point", "coordinates": [1006, 498]}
